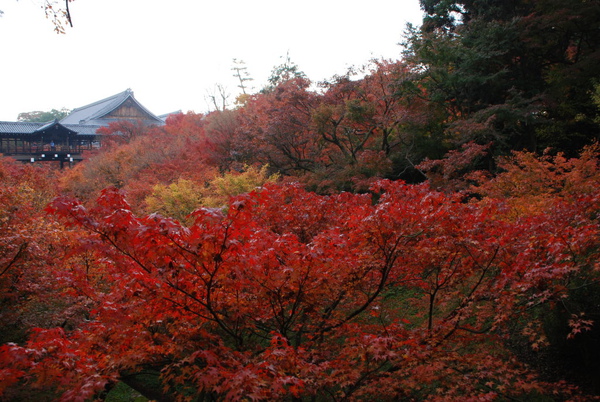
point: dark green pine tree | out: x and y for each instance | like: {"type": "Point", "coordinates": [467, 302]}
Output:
{"type": "Point", "coordinates": [517, 72]}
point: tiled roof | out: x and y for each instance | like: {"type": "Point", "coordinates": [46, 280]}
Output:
{"type": "Point", "coordinates": [26, 128]}
{"type": "Point", "coordinates": [84, 120]}
{"type": "Point", "coordinates": [54, 124]}
{"type": "Point", "coordinates": [15, 127]}
{"type": "Point", "coordinates": [90, 114]}
{"type": "Point", "coordinates": [83, 129]}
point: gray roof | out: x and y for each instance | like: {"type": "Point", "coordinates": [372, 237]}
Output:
{"type": "Point", "coordinates": [54, 124]}
{"type": "Point", "coordinates": [84, 120]}
{"type": "Point", "coordinates": [27, 128]}
{"type": "Point", "coordinates": [83, 129]}
{"type": "Point", "coordinates": [164, 117]}
{"type": "Point", "coordinates": [15, 127]}
{"type": "Point", "coordinates": [94, 112]}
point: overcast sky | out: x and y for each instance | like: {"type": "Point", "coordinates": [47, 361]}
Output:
{"type": "Point", "coordinates": [171, 53]}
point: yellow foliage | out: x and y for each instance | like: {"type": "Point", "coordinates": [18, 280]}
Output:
{"type": "Point", "coordinates": [180, 198]}
{"type": "Point", "coordinates": [230, 184]}
{"type": "Point", "coordinates": [177, 200]}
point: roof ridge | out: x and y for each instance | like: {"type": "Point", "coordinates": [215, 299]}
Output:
{"type": "Point", "coordinates": [108, 98]}
{"type": "Point", "coordinates": [112, 103]}
{"type": "Point", "coordinates": [100, 110]}
{"type": "Point", "coordinates": [53, 123]}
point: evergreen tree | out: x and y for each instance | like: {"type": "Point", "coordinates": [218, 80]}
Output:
{"type": "Point", "coordinates": [517, 72]}
{"type": "Point", "coordinates": [42, 117]}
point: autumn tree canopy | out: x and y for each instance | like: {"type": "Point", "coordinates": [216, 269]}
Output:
{"type": "Point", "coordinates": [416, 229]}
{"type": "Point", "coordinates": [292, 294]}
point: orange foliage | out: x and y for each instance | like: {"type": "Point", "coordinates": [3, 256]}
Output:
{"type": "Point", "coordinates": [531, 184]}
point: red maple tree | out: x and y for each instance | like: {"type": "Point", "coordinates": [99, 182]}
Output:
{"type": "Point", "coordinates": [407, 294]}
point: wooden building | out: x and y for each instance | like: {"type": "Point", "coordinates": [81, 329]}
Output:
{"type": "Point", "coordinates": [66, 139]}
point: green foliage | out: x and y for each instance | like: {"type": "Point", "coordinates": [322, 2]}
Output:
{"type": "Point", "coordinates": [596, 100]}
{"type": "Point", "coordinates": [288, 70]}
{"type": "Point", "coordinates": [122, 393]}
{"type": "Point", "coordinates": [42, 117]}
{"type": "Point", "coordinates": [518, 69]}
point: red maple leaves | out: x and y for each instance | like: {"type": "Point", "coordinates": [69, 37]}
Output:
{"type": "Point", "coordinates": [292, 294]}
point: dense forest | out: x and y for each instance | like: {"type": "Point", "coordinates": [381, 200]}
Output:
{"type": "Point", "coordinates": [417, 229]}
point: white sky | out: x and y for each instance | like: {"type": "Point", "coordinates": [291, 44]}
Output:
{"type": "Point", "coordinates": [170, 53]}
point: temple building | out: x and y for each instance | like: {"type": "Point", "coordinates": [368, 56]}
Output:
{"type": "Point", "coordinates": [54, 140]}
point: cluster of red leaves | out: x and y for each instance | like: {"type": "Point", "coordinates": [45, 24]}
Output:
{"type": "Point", "coordinates": [30, 249]}
{"type": "Point", "coordinates": [26, 242]}
{"type": "Point", "coordinates": [136, 158]}
{"type": "Point", "coordinates": [406, 293]}
{"type": "Point", "coordinates": [337, 138]}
